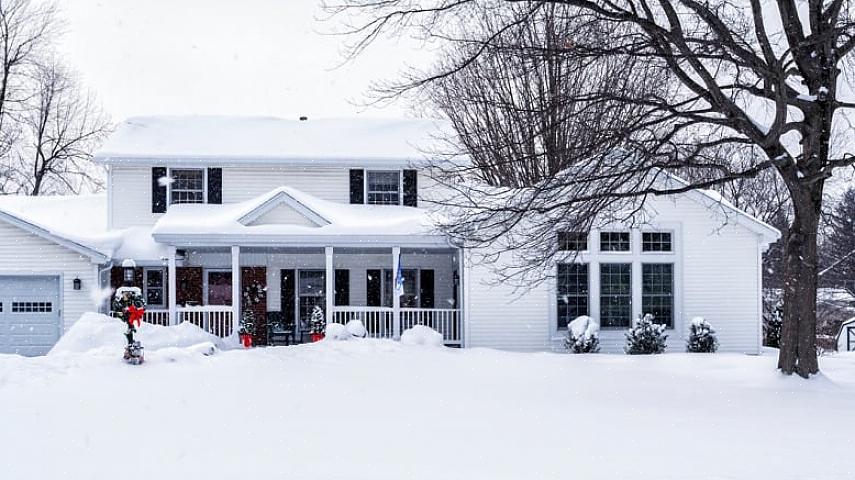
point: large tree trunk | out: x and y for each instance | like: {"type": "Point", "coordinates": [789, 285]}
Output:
{"type": "Point", "coordinates": [798, 335]}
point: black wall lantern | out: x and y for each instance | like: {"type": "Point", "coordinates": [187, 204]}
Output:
{"type": "Point", "coordinates": [128, 267]}
{"type": "Point", "coordinates": [77, 283]}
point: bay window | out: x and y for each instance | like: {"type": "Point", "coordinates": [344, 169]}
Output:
{"type": "Point", "coordinates": [657, 292]}
{"type": "Point", "coordinates": [615, 294]}
{"type": "Point", "coordinates": [572, 282]}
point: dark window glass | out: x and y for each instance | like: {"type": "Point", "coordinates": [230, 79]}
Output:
{"type": "Point", "coordinates": [188, 186]}
{"type": "Point", "coordinates": [310, 291]}
{"type": "Point", "coordinates": [657, 292]}
{"type": "Point", "coordinates": [409, 299]}
{"type": "Point", "coordinates": [615, 294]}
{"type": "Point", "coordinates": [219, 288]}
{"type": "Point", "coordinates": [655, 242]}
{"type": "Point", "coordinates": [614, 241]}
{"type": "Point", "coordinates": [154, 287]}
{"type": "Point", "coordinates": [572, 241]}
{"type": "Point", "coordinates": [32, 307]}
{"type": "Point", "coordinates": [572, 292]}
{"type": "Point", "coordinates": [384, 188]}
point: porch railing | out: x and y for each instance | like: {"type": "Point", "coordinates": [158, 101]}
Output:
{"type": "Point", "coordinates": [157, 317]}
{"type": "Point", "coordinates": [379, 321]}
{"type": "Point", "coordinates": [214, 319]}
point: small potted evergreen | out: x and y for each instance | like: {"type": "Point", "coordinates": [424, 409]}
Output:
{"type": "Point", "coordinates": [247, 328]}
{"type": "Point", "coordinates": [317, 324]}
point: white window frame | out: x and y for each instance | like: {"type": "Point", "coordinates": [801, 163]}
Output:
{"type": "Point", "coordinates": [587, 242]}
{"type": "Point", "coordinates": [654, 252]}
{"type": "Point", "coordinates": [205, 272]}
{"type": "Point", "coordinates": [400, 185]}
{"type": "Point", "coordinates": [616, 252]}
{"type": "Point", "coordinates": [169, 171]}
{"type": "Point", "coordinates": [162, 287]}
{"type": "Point", "coordinates": [594, 257]}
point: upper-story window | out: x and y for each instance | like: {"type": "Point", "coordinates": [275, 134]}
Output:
{"type": "Point", "coordinates": [383, 187]}
{"type": "Point", "coordinates": [614, 241]}
{"type": "Point", "coordinates": [655, 242]}
{"type": "Point", "coordinates": [573, 241]}
{"type": "Point", "coordinates": [187, 186]}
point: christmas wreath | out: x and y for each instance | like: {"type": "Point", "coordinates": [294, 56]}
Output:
{"type": "Point", "coordinates": [254, 293]}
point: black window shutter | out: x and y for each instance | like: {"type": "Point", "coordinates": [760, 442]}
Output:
{"type": "Point", "coordinates": [357, 186]}
{"type": "Point", "coordinates": [215, 185]}
{"type": "Point", "coordinates": [288, 295]}
{"type": "Point", "coordinates": [373, 288]}
{"type": "Point", "coordinates": [158, 191]}
{"type": "Point", "coordinates": [426, 289]}
{"type": "Point", "coordinates": [411, 188]}
{"type": "Point", "coordinates": [342, 287]}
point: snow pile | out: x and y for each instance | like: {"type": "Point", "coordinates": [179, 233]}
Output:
{"type": "Point", "coordinates": [336, 331]}
{"type": "Point", "coordinates": [356, 329]}
{"type": "Point", "coordinates": [422, 335]}
{"type": "Point", "coordinates": [96, 333]}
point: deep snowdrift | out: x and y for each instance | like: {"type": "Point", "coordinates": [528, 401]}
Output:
{"type": "Point", "coordinates": [97, 334]}
{"type": "Point", "coordinates": [369, 409]}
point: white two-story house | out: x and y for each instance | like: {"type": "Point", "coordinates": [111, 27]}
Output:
{"type": "Point", "coordinates": [214, 216]}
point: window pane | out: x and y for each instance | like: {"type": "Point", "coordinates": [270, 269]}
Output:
{"type": "Point", "coordinates": [615, 294]}
{"type": "Point", "coordinates": [188, 186]}
{"type": "Point", "coordinates": [154, 278]}
{"type": "Point", "coordinates": [572, 291]}
{"type": "Point", "coordinates": [614, 241]}
{"type": "Point", "coordinates": [657, 292]}
{"type": "Point", "coordinates": [219, 288]}
{"type": "Point", "coordinates": [655, 242]}
{"type": "Point", "coordinates": [410, 297]}
{"type": "Point", "coordinates": [384, 188]}
{"type": "Point", "coordinates": [311, 292]}
{"type": "Point", "coordinates": [154, 296]}
{"type": "Point", "coordinates": [572, 241]}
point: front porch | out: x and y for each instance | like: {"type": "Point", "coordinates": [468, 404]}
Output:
{"type": "Point", "coordinates": [282, 285]}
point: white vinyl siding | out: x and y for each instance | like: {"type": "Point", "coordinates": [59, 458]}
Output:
{"type": "Point", "coordinates": [129, 195]}
{"type": "Point", "coordinates": [22, 253]}
{"type": "Point", "coordinates": [327, 183]}
{"type": "Point", "coordinates": [716, 276]}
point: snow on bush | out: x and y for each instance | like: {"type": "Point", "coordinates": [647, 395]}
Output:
{"type": "Point", "coordinates": [336, 331]}
{"type": "Point", "coordinates": [422, 335]}
{"type": "Point", "coordinates": [702, 337]}
{"type": "Point", "coordinates": [356, 329]}
{"type": "Point", "coordinates": [583, 335]}
{"type": "Point", "coordinates": [773, 320]}
{"type": "Point", "coordinates": [96, 332]}
{"type": "Point", "coordinates": [645, 337]}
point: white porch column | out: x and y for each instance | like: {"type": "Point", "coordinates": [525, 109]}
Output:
{"type": "Point", "coordinates": [236, 296]}
{"type": "Point", "coordinates": [330, 283]}
{"type": "Point", "coordinates": [396, 299]}
{"type": "Point", "coordinates": [172, 281]}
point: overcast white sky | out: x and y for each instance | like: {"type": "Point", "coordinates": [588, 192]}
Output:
{"type": "Point", "coordinates": [247, 57]}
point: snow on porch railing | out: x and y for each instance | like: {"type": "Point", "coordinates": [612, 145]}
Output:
{"type": "Point", "coordinates": [444, 320]}
{"type": "Point", "coordinates": [214, 319]}
{"type": "Point", "coordinates": [378, 321]}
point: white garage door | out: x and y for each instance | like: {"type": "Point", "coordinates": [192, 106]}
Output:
{"type": "Point", "coordinates": [29, 314]}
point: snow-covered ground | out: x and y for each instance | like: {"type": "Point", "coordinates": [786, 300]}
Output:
{"type": "Point", "coordinates": [383, 410]}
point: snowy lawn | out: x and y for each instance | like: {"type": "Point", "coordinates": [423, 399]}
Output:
{"type": "Point", "coordinates": [383, 410]}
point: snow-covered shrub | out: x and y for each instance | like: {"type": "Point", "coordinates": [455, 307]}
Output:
{"type": "Point", "coordinates": [355, 328]}
{"type": "Point", "coordinates": [645, 337]}
{"type": "Point", "coordinates": [583, 335]}
{"type": "Point", "coordinates": [337, 331]}
{"type": "Point", "coordinates": [422, 335]}
{"type": "Point", "coordinates": [773, 320]}
{"type": "Point", "coordinates": [702, 337]}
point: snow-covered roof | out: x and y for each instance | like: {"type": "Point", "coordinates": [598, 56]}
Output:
{"type": "Point", "coordinates": [79, 222]}
{"type": "Point", "coordinates": [241, 140]}
{"type": "Point", "coordinates": [324, 222]}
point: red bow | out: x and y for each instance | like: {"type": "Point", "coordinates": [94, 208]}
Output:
{"type": "Point", "coordinates": [135, 315]}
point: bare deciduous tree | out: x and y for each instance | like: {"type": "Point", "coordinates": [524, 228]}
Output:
{"type": "Point", "coordinates": [765, 78]}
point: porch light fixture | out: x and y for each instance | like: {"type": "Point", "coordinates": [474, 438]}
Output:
{"type": "Point", "coordinates": [77, 284]}
{"type": "Point", "coordinates": [128, 267]}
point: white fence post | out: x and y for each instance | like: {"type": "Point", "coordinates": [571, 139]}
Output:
{"type": "Point", "coordinates": [329, 283]}
{"type": "Point", "coordinates": [172, 282]}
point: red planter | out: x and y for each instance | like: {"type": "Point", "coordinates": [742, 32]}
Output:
{"type": "Point", "coordinates": [246, 341]}
{"type": "Point", "coordinates": [317, 337]}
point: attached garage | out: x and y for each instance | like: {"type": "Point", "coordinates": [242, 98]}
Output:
{"type": "Point", "coordinates": [48, 279]}
{"type": "Point", "coordinates": [30, 314]}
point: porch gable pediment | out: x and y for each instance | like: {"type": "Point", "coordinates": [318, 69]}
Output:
{"type": "Point", "coordinates": [283, 209]}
